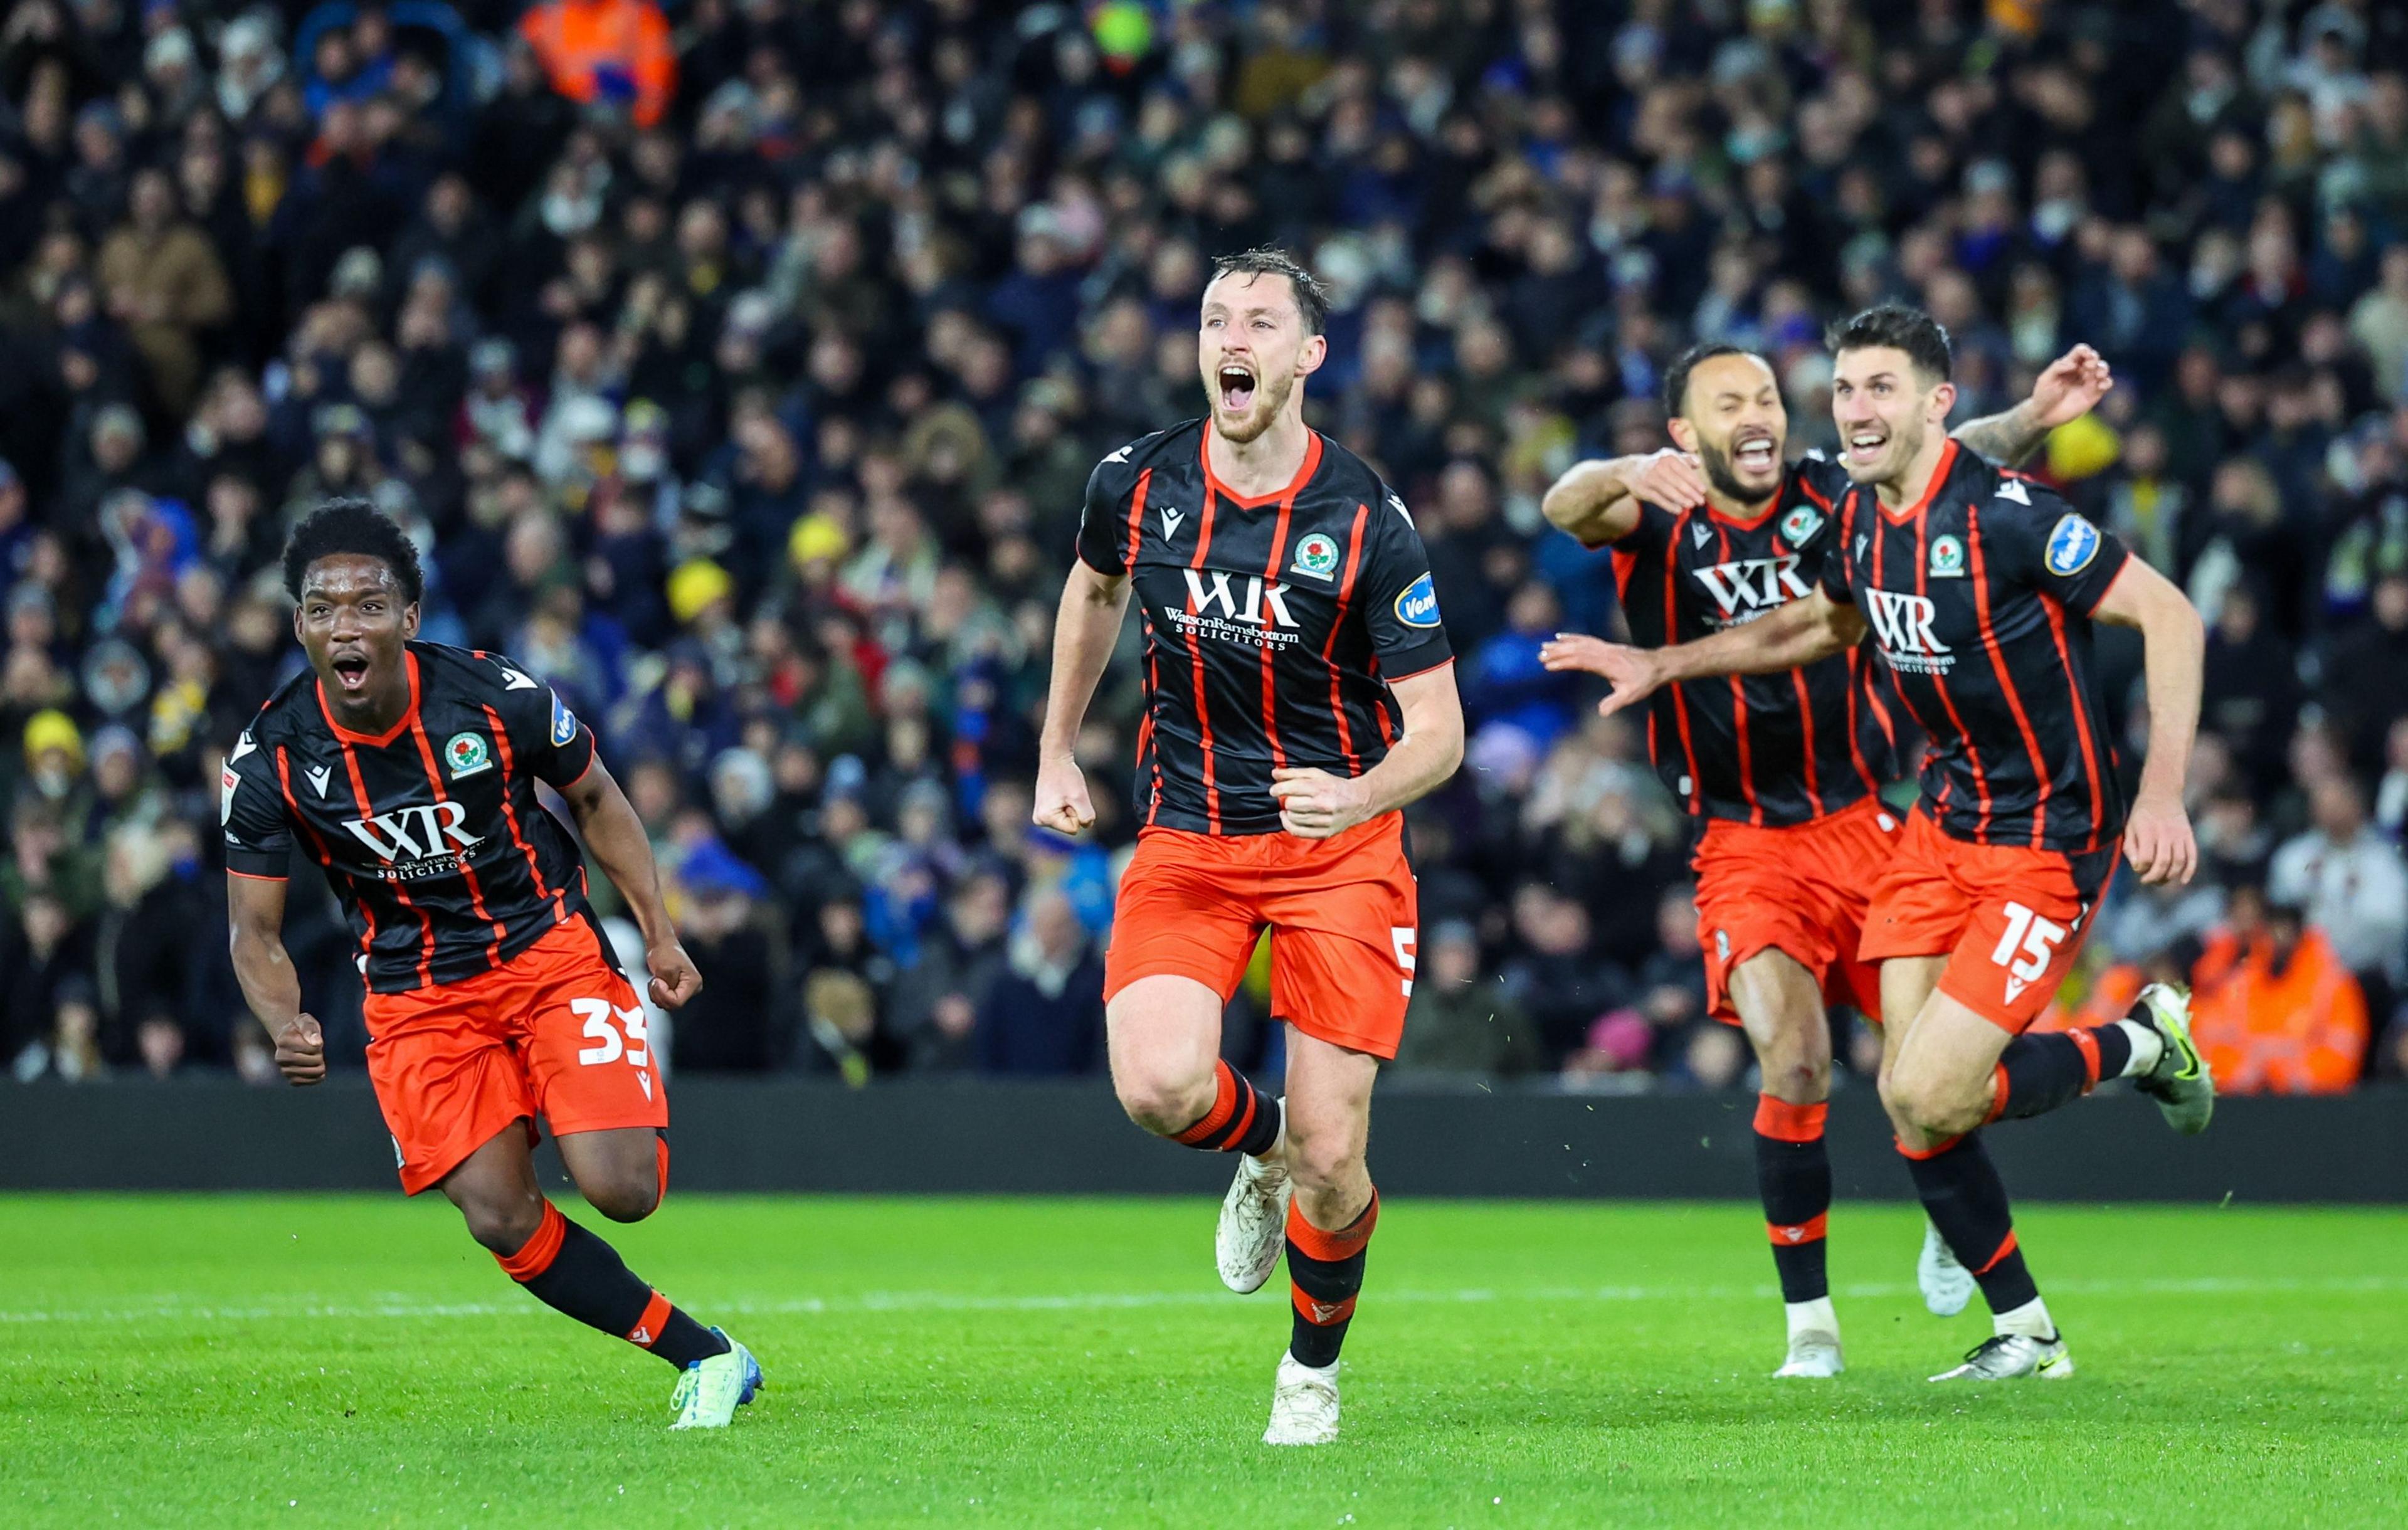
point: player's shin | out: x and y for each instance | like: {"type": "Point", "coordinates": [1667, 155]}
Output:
{"type": "Point", "coordinates": [1241, 1119]}
{"type": "Point", "coordinates": [1326, 1273]}
{"type": "Point", "coordinates": [1964, 1196]}
{"type": "Point", "coordinates": [569, 1270]}
{"type": "Point", "coordinates": [2036, 1074]}
{"type": "Point", "coordinates": [1793, 1176]}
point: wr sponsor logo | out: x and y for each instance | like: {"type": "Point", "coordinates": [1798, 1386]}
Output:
{"type": "Point", "coordinates": [1902, 625]}
{"type": "Point", "coordinates": [1752, 586]}
{"type": "Point", "coordinates": [411, 834]}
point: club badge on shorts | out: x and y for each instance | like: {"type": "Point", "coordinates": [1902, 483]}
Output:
{"type": "Point", "coordinates": [466, 755]}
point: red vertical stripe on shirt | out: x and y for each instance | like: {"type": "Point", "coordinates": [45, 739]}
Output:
{"type": "Point", "coordinates": [426, 926]}
{"type": "Point", "coordinates": [1195, 647]}
{"type": "Point", "coordinates": [510, 816]}
{"type": "Point", "coordinates": [1739, 713]}
{"type": "Point", "coordinates": [2081, 717]}
{"type": "Point", "coordinates": [1940, 682]}
{"type": "Point", "coordinates": [1696, 804]}
{"type": "Point", "coordinates": [1271, 579]}
{"type": "Point", "coordinates": [318, 847]}
{"type": "Point", "coordinates": [1137, 520]}
{"type": "Point", "coordinates": [1336, 625]}
{"type": "Point", "coordinates": [467, 873]}
{"type": "Point", "coordinates": [1975, 568]}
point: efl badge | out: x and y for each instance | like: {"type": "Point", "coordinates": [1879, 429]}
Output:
{"type": "Point", "coordinates": [226, 784]}
{"type": "Point", "coordinates": [1947, 558]}
{"type": "Point", "coordinates": [1801, 525]}
{"type": "Point", "coordinates": [466, 754]}
{"type": "Point", "coordinates": [1317, 556]}
{"type": "Point", "coordinates": [2071, 546]}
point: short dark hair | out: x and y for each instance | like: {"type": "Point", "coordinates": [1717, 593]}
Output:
{"type": "Point", "coordinates": [1904, 327]}
{"type": "Point", "coordinates": [342, 526]}
{"type": "Point", "coordinates": [1676, 379]}
{"type": "Point", "coordinates": [1311, 297]}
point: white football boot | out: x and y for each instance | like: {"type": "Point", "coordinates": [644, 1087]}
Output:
{"type": "Point", "coordinates": [2007, 1357]}
{"type": "Point", "coordinates": [1814, 1341]}
{"type": "Point", "coordinates": [1253, 1215]}
{"type": "Point", "coordinates": [1947, 1285]}
{"type": "Point", "coordinates": [1304, 1405]}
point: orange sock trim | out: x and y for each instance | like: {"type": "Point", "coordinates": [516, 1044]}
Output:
{"type": "Point", "coordinates": [1932, 1151]}
{"type": "Point", "coordinates": [1318, 1313]}
{"type": "Point", "coordinates": [1246, 1121]}
{"type": "Point", "coordinates": [2004, 1248]}
{"type": "Point", "coordinates": [647, 1331]}
{"type": "Point", "coordinates": [536, 1254]}
{"type": "Point", "coordinates": [1811, 1231]}
{"type": "Point", "coordinates": [661, 1158]}
{"type": "Point", "coordinates": [1225, 1104]}
{"type": "Point", "coordinates": [1782, 1121]}
{"type": "Point", "coordinates": [1997, 1094]}
{"type": "Point", "coordinates": [2086, 1041]}
{"type": "Point", "coordinates": [1346, 1243]}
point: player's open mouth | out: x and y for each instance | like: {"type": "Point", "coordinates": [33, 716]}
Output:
{"type": "Point", "coordinates": [1866, 446]}
{"type": "Point", "coordinates": [350, 672]}
{"type": "Point", "coordinates": [1237, 389]}
{"type": "Point", "coordinates": [1755, 453]}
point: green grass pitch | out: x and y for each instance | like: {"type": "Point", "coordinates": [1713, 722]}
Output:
{"type": "Point", "coordinates": [299, 1360]}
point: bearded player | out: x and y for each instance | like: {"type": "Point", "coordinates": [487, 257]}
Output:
{"type": "Point", "coordinates": [1979, 589]}
{"type": "Point", "coordinates": [1783, 768]}
{"type": "Point", "coordinates": [1300, 691]}
{"type": "Point", "coordinates": [408, 771]}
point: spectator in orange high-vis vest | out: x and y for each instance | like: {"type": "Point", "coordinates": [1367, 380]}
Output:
{"type": "Point", "coordinates": [2276, 1012]}
{"type": "Point", "coordinates": [613, 51]}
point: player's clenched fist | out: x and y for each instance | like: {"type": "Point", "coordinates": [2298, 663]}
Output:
{"type": "Point", "coordinates": [675, 978]}
{"type": "Point", "coordinates": [1633, 670]}
{"type": "Point", "coordinates": [1062, 802]}
{"type": "Point", "coordinates": [1316, 805]}
{"type": "Point", "coordinates": [301, 1050]}
{"type": "Point", "coordinates": [2158, 842]}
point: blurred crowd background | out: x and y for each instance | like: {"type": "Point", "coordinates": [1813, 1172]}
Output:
{"type": "Point", "coordinates": [737, 365]}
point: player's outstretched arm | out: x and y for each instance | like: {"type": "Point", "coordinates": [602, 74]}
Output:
{"type": "Point", "coordinates": [1596, 502]}
{"type": "Point", "coordinates": [1797, 634]}
{"type": "Point", "coordinates": [616, 835]}
{"type": "Point", "coordinates": [255, 912]}
{"type": "Point", "coordinates": [1316, 805]}
{"type": "Point", "coordinates": [2157, 834]}
{"type": "Point", "coordinates": [1085, 627]}
{"type": "Point", "coordinates": [2070, 387]}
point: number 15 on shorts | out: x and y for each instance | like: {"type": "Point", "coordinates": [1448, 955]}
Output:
{"type": "Point", "coordinates": [1401, 936]}
{"type": "Point", "coordinates": [2026, 948]}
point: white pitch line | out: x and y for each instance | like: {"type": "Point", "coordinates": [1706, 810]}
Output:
{"type": "Point", "coordinates": [169, 1309]}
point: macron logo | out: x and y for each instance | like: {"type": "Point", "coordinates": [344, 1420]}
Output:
{"type": "Point", "coordinates": [318, 777]}
{"type": "Point", "coordinates": [1170, 519]}
{"type": "Point", "coordinates": [242, 746]}
{"type": "Point", "coordinates": [1121, 455]}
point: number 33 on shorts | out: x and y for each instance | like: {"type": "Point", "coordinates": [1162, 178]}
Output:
{"type": "Point", "coordinates": [598, 1014]}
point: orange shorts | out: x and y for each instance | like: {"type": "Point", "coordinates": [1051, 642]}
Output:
{"type": "Point", "coordinates": [1340, 912]}
{"type": "Point", "coordinates": [1799, 890]}
{"type": "Point", "coordinates": [555, 1032]}
{"type": "Point", "coordinates": [2008, 918]}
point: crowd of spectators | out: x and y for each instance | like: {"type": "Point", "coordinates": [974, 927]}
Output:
{"type": "Point", "coordinates": [739, 364]}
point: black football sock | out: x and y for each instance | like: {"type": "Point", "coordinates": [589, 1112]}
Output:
{"type": "Point", "coordinates": [1793, 1174]}
{"type": "Point", "coordinates": [1324, 1272]}
{"type": "Point", "coordinates": [1967, 1201]}
{"type": "Point", "coordinates": [2036, 1074]}
{"type": "Point", "coordinates": [1241, 1119]}
{"type": "Point", "coordinates": [569, 1270]}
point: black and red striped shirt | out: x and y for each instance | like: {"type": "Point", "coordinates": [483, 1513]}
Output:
{"type": "Point", "coordinates": [1775, 751]}
{"type": "Point", "coordinates": [430, 832]}
{"type": "Point", "coordinates": [1979, 598]}
{"type": "Point", "coordinates": [1273, 625]}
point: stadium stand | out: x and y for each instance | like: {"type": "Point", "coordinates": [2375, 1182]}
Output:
{"type": "Point", "coordinates": [749, 397]}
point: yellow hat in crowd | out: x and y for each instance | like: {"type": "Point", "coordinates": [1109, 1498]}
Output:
{"type": "Point", "coordinates": [815, 538]}
{"type": "Point", "coordinates": [51, 729]}
{"type": "Point", "coordinates": [695, 585]}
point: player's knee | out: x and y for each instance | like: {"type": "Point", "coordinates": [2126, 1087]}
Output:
{"type": "Point", "coordinates": [631, 1198]}
{"type": "Point", "coordinates": [1795, 1073]}
{"type": "Point", "coordinates": [1163, 1105]}
{"type": "Point", "coordinates": [1322, 1161]}
{"type": "Point", "coordinates": [503, 1225]}
{"type": "Point", "coordinates": [1928, 1102]}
